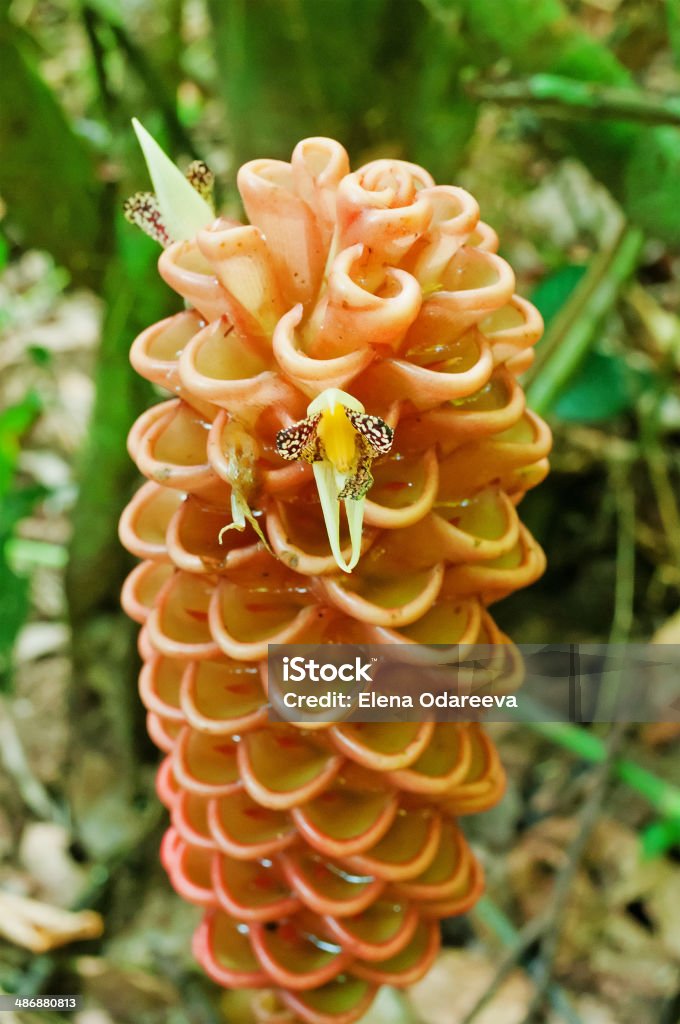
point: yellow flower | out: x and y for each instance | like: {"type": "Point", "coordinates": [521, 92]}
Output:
{"type": "Point", "coordinates": [340, 440]}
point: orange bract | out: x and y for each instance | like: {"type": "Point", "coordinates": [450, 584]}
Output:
{"type": "Point", "coordinates": [325, 855]}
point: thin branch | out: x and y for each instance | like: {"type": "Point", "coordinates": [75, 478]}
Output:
{"type": "Point", "coordinates": [489, 914]}
{"type": "Point", "coordinates": [15, 763]}
{"type": "Point", "coordinates": [559, 96]}
{"type": "Point", "coordinates": [622, 622]}
{"type": "Point", "coordinates": [98, 59]}
{"type": "Point", "coordinates": [518, 948]}
{"type": "Point", "coordinates": [149, 76]}
{"type": "Point", "coordinates": [662, 795]}
{"type": "Point", "coordinates": [563, 884]}
{"type": "Point", "coordinates": [547, 927]}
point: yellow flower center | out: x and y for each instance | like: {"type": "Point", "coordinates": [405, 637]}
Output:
{"type": "Point", "coordinates": [338, 437]}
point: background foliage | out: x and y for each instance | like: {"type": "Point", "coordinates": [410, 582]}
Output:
{"type": "Point", "coordinates": [563, 118]}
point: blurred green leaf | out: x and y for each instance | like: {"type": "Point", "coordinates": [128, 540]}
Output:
{"type": "Point", "coordinates": [603, 388]}
{"type": "Point", "coordinates": [15, 421]}
{"type": "Point", "coordinates": [649, 190]}
{"type": "Point", "coordinates": [639, 164]}
{"type": "Point", "coordinates": [108, 9]}
{"type": "Point", "coordinates": [554, 290]}
{"type": "Point", "coordinates": [40, 355]}
{"type": "Point", "coordinates": [46, 175]}
{"type": "Point", "coordinates": [24, 554]}
{"type": "Point", "coordinates": [673, 14]}
{"type": "Point", "coordinates": [135, 297]}
{"type": "Point", "coordinates": [536, 36]}
{"type": "Point", "coordinates": [14, 609]}
{"type": "Point", "coordinates": [16, 503]}
{"type": "Point", "coordinates": [659, 837]}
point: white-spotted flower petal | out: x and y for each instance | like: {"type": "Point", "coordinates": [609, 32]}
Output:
{"type": "Point", "coordinates": [341, 441]}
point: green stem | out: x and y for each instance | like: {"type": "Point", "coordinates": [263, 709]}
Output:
{"type": "Point", "coordinates": [489, 914]}
{"type": "Point", "coordinates": [559, 96]}
{"type": "Point", "coordinates": [673, 17]}
{"type": "Point", "coordinates": [575, 328]}
{"type": "Point", "coordinates": [662, 795]}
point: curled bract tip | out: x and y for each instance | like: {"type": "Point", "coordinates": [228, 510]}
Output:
{"type": "Point", "coordinates": [341, 441]}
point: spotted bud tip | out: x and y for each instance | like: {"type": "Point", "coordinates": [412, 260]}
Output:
{"type": "Point", "coordinates": [183, 205]}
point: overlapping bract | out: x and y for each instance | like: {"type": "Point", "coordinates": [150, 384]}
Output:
{"type": "Point", "coordinates": [324, 856]}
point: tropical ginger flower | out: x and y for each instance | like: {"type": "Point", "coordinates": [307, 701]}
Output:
{"type": "Point", "coordinates": [355, 346]}
{"type": "Point", "coordinates": [340, 440]}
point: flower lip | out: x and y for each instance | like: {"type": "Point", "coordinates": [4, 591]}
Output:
{"type": "Point", "coordinates": [340, 440]}
{"type": "Point", "coordinates": [338, 437]}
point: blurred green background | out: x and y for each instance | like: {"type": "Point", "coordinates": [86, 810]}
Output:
{"type": "Point", "coordinates": [563, 118]}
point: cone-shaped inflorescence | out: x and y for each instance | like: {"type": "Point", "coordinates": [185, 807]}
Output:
{"type": "Point", "coordinates": [340, 460]}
